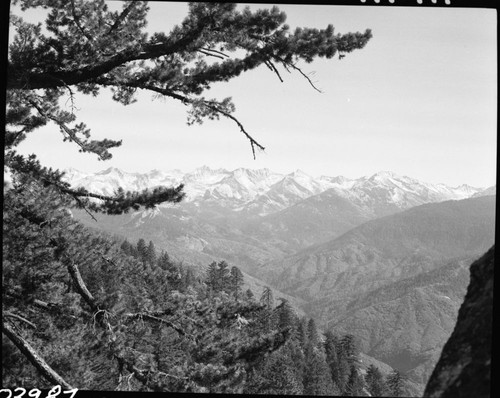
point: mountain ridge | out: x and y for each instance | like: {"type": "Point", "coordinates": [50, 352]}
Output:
{"type": "Point", "coordinates": [262, 191]}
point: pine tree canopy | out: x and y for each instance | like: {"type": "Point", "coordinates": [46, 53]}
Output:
{"type": "Point", "coordinates": [84, 47]}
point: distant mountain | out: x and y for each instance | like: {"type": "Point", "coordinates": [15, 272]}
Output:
{"type": "Point", "coordinates": [255, 216]}
{"type": "Point", "coordinates": [396, 282]}
{"type": "Point", "coordinates": [388, 248]}
{"type": "Point", "coordinates": [316, 219]}
{"type": "Point", "coordinates": [262, 192]}
{"type": "Point", "coordinates": [488, 191]}
{"type": "Point", "coordinates": [406, 323]}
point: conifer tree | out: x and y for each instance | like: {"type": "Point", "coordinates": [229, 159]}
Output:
{"type": "Point", "coordinates": [249, 294]}
{"type": "Point", "coordinates": [278, 376]}
{"type": "Point", "coordinates": [332, 359]}
{"type": "Point", "coordinates": [224, 276]}
{"type": "Point", "coordinates": [142, 250]}
{"type": "Point", "coordinates": [295, 353]}
{"type": "Point", "coordinates": [395, 384]}
{"type": "Point", "coordinates": [127, 247]}
{"type": "Point", "coordinates": [150, 254]}
{"type": "Point", "coordinates": [317, 378]}
{"type": "Point", "coordinates": [344, 362]}
{"type": "Point", "coordinates": [267, 300]}
{"type": "Point", "coordinates": [312, 332]}
{"type": "Point", "coordinates": [350, 347]}
{"type": "Point", "coordinates": [354, 387]}
{"type": "Point", "coordinates": [302, 332]}
{"type": "Point", "coordinates": [375, 381]}
{"type": "Point", "coordinates": [237, 280]}
{"type": "Point", "coordinates": [212, 277]}
{"type": "Point", "coordinates": [285, 315]}
{"type": "Point", "coordinates": [163, 261]}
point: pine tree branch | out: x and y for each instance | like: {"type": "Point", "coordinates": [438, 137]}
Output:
{"type": "Point", "coordinates": [121, 203]}
{"type": "Point", "coordinates": [69, 133]}
{"type": "Point", "coordinates": [29, 352]}
{"type": "Point", "coordinates": [18, 78]}
{"type": "Point", "coordinates": [186, 100]}
{"type": "Point", "coordinates": [78, 24]}
{"type": "Point", "coordinates": [121, 17]}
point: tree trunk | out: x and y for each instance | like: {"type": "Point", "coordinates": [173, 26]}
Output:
{"type": "Point", "coordinates": [45, 370]}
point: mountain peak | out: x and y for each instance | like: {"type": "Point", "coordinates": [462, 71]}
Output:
{"type": "Point", "coordinates": [203, 168]}
{"type": "Point", "coordinates": [111, 170]}
{"type": "Point", "coordinates": [385, 174]}
{"type": "Point", "coordinates": [467, 187]}
{"type": "Point", "coordinates": [299, 173]}
{"type": "Point", "coordinates": [265, 189]}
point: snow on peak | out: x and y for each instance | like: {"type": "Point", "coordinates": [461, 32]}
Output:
{"type": "Point", "coordinates": [266, 191]}
{"type": "Point", "coordinates": [384, 176]}
{"type": "Point", "coordinates": [74, 174]}
{"type": "Point", "coordinates": [300, 174]}
{"type": "Point", "coordinates": [112, 170]}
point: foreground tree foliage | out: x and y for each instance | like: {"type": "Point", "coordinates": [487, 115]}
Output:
{"type": "Point", "coordinates": [89, 312]}
{"type": "Point", "coordinates": [98, 323]}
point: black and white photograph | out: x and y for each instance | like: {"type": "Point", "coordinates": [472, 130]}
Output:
{"type": "Point", "coordinates": [249, 198]}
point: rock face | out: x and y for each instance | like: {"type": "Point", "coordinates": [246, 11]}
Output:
{"type": "Point", "coordinates": [464, 369]}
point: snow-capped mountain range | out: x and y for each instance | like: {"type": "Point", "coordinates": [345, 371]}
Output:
{"type": "Point", "coordinates": [263, 191]}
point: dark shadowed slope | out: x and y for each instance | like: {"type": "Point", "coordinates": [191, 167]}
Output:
{"type": "Point", "coordinates": [464, 368]}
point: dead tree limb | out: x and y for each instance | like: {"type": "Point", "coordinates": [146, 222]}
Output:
{"type": "Point", "coordinates": [19, 318]}
{"type": "Point", "coordinates": [155, 319]}
{"type": "Point", "coordinates": [81, 287]}
{"type": "Point", "coordinates": [29, 352]}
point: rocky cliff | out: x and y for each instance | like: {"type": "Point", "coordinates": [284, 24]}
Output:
{"type": "Point", "coordinates": [464, 368]}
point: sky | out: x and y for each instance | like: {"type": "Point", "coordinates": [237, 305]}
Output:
{"type": "Point", "coordinates": [419, 100]}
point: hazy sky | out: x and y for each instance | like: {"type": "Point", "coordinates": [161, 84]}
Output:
{"type": "Point", "coordinates": [420, 100]}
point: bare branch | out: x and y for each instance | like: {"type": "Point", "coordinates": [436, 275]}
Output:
{"type": "Point", "coordinates": [210, 55]}
{"type": "Point", "coordinates": [147, 317]}
{"type": "Point", "coordinates": [215, 51]}
{"type": "Point", "coordinates": [286, 65]}
{"type": "Point", "coordinates": [173, 376]}
{"type": "Point", "coordinates": [271, 66]}
{"type": "Point", "coordinates": [80, 285]}
{"type": "Point", "coordinates": [82, 206]}
{"type": "Point", "coordinates": [19, 318]}
{"type": "Point", "coordinates": [253, 143]}
{"type": "Point", "coordinates": [186, 100]}
{"type": "Point", "coordinates": [29, 352]}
